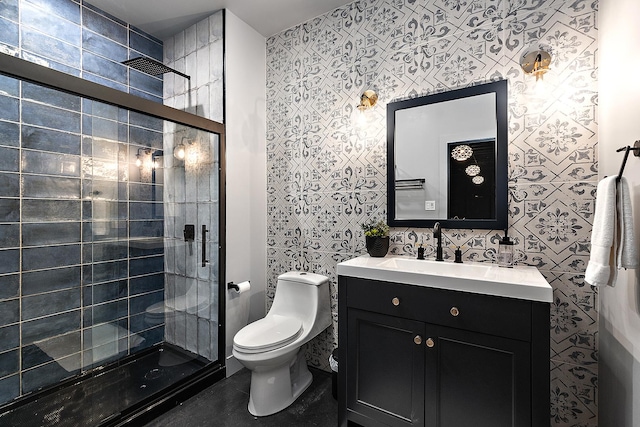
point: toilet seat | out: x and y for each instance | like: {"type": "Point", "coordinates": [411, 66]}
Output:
{"type": "Point", "coordinates": [266, 334]}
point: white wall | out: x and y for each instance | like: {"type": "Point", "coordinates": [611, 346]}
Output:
{"type": "Point", "coordinates": [245, 119]}
{"type": "Point", "coordinates": [619, 360]}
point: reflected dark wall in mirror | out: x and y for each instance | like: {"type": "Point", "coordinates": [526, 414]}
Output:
{"type": "Point", "coordinates": [471, 189]}
{"type": "Point", "coordinates": [421, 135]}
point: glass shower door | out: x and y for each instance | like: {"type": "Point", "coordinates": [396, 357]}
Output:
{"type": "Point", "coordinates": [117, 305]}
{"type": "Point", "coordinates": [191, 239]}
{"type": "Point", "coordinates": [151, 230]}
{"type": "Point", "coordinates": [154, 251]}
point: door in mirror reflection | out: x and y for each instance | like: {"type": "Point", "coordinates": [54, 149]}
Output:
{"type": "Point", "coordinates": [471, 187]}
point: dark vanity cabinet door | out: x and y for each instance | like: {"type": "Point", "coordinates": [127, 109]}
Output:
{"type": "Point", "coordinates": [419, 356]}
{"type": "Point", "coordinates": [386, 362]}
{"type": "Point", "coordinates": [476, 380]}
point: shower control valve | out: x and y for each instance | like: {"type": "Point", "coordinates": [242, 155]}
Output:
{"type": "Point", "coordinates": [189, 232]}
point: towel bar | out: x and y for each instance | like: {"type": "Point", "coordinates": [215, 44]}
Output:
{"type": "Point", "coordinates": [636, 152]}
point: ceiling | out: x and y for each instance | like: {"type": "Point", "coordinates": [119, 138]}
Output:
{"type": "Point", "coordinates": [164, 18]}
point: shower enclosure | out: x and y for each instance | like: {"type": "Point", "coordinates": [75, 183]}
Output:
{"type": "Point", "coordinates": [110, 263]}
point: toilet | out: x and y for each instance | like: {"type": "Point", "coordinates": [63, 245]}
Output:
{"type": "Point", "coordinates": [270, 347]}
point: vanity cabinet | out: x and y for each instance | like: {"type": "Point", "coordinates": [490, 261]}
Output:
{"type": "Point", "coordinates": [422, 356]}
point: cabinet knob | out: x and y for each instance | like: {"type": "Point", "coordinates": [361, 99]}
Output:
{"type": "Point", "coordinates": [454, 311]}
{"type": "Point", "coordinates": [430, 342]}
{"type": "Point", "coordinates": [395, 301]}
{"type": "Point", "coordinates": [417, 339]}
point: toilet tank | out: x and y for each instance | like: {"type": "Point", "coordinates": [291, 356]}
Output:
{"type": "Point", "coordinates": [305, 296]}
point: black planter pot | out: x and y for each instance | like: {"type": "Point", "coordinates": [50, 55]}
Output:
{"type": "Point", "coordinates": [377, 246]}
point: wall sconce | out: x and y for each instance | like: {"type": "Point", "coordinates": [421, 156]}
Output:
{"type": "Point", "coordinates": [141, 152]}
{"type": "Point", "coordinates": [147, 159]}
{"type": "Point", "coordinates": [367, 100]}
{"type": "Point", "coordinates": [193, 152]}
{"type": "Point", "coordinates": [179, 152]}
{"type": "Point", "coordinates": [535, 62]}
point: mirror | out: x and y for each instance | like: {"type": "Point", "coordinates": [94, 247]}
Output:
{"type": "Point", "coordinates": [447, 159]}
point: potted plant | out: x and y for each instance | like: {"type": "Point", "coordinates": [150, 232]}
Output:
{"type": "Point", "coordinates": [377, 237]}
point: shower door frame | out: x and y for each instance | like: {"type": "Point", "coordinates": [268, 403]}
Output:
{"type": "Point", "coordinates": [21, 69]}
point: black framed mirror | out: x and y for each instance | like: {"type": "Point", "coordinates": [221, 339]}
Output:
{"type": "Point", "coordinates": [447, 159]}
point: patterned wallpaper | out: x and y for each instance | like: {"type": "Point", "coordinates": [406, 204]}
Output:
{"type": "Point", "coordinates": [327, 173]}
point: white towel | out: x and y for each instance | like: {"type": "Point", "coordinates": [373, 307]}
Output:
{"type": "Point", "coordinates": [627, 255]}
{"type": "Point", "coordinates": [612, 239]}
{"type": "Point", "coordinates": [602, 234]}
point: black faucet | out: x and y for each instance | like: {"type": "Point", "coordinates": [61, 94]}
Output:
{"type": "Point", "coordinates": [437, 234]}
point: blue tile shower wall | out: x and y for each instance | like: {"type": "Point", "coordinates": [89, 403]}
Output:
{"type": "Point", "coordinates": [81, 251]}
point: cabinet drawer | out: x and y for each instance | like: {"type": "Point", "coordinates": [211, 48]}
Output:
{"type": "Point", "coordinates": [507, 317]}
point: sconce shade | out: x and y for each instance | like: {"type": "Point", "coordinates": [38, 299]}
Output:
{"type": "Point", "coordinates": [367, 100]}
{"type": "Point", "coordinates": [179, 151]}
{"type": "Point", "coordinates": [535, 62]}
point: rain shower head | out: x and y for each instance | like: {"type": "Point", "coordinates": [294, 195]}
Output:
{"type": "Point", "coordinates": [152, 67]}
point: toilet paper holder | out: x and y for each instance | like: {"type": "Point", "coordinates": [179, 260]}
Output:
{"type": "Point", "coordinates": [232, 285]}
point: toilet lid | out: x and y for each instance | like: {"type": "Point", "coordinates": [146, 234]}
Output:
{"type": "Point", "coordinates": [272, 332]}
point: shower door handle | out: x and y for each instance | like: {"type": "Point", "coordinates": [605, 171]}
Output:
{"type": "Point", "coordinates": [204, 245]}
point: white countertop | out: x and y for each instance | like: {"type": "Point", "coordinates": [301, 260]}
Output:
{"type": "Point", "coordinates": [522, 282]}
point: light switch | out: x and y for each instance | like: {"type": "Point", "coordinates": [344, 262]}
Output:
{"type": "Point", "coordinates": [429, 205]}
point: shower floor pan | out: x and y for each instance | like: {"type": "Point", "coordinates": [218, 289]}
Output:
{"type": "Point", "coordinates": [108, 397]}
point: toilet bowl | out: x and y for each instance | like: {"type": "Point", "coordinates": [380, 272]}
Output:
{"type": "Point", "coordinates": [270, 347]}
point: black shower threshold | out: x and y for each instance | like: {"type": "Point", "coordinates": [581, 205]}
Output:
{"type": "Point", "coordinates": [131, 391]}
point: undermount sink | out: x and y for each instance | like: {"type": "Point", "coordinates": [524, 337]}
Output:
{"type": "Point", "coordinates": [522, 282]}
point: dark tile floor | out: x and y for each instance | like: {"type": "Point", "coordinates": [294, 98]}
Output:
{"type": "Point", "coordinates": [225, 404]}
